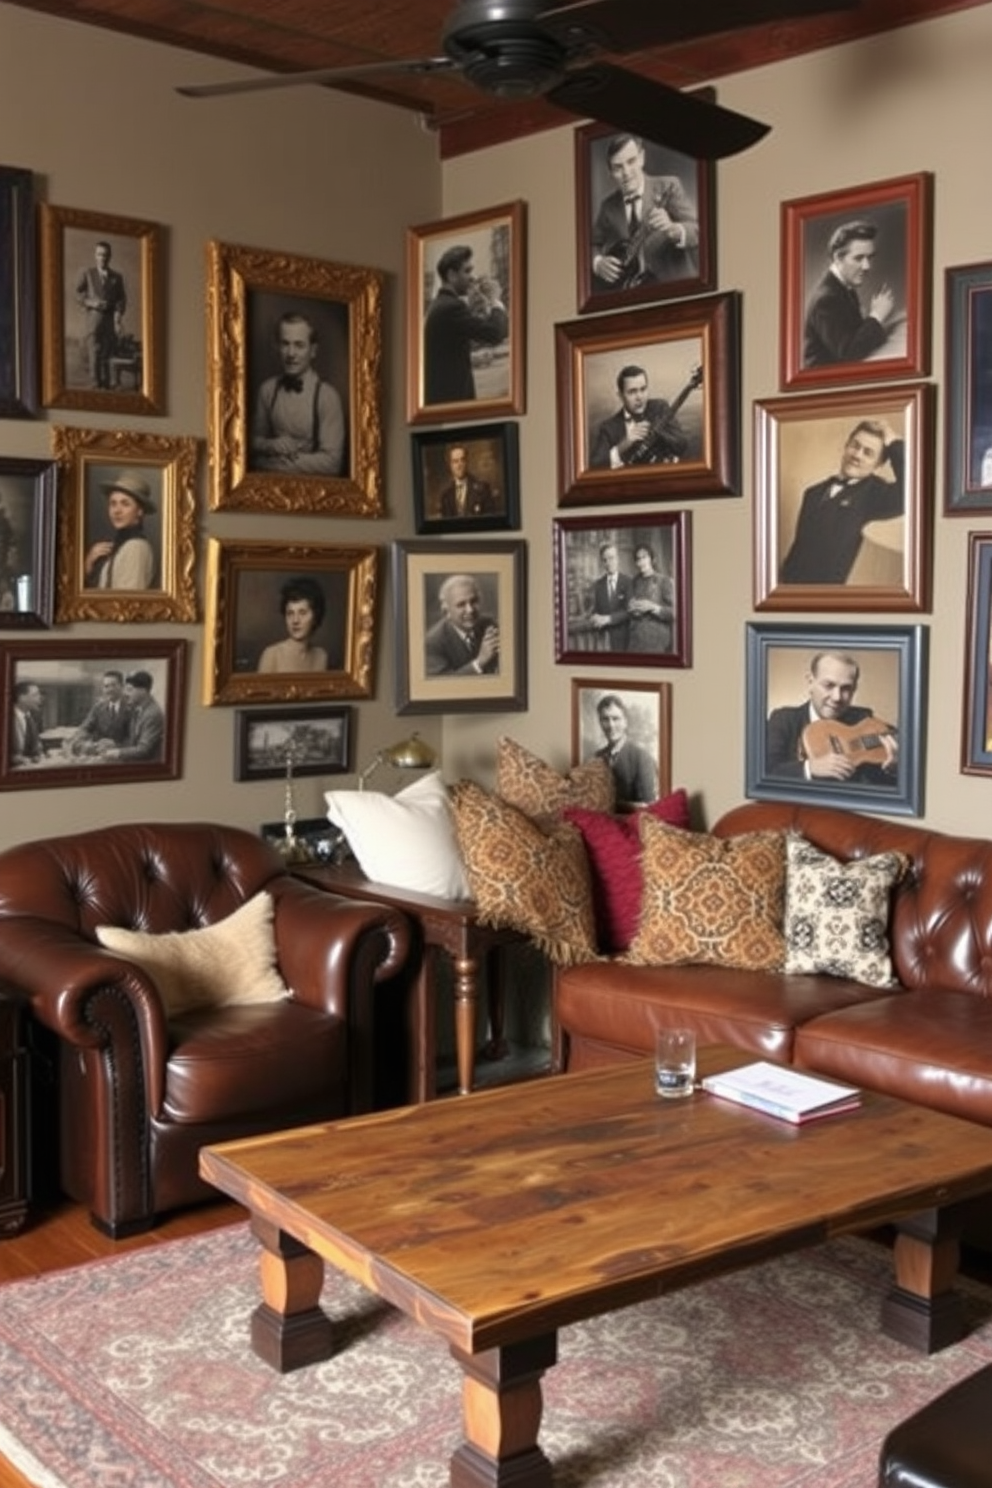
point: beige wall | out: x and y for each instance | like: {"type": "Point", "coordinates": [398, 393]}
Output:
{"type": "Point", "coordinates": [912, 100]}
{"type": "Point", "coordinates": [308, 171]}
{"type": "Point", "coordinates": [95, 117]}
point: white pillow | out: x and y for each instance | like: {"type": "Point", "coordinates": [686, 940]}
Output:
{"type": "Point", "coordinates": [231, 962]}
{"type": "Point", "coordinates": [407, 840]}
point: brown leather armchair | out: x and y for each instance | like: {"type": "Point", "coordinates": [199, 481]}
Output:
{"type": "Point", "coordinates": [140, 1094]}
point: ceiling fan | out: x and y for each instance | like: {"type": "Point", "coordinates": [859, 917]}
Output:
{"type": "Point", "coordinates": [515, 49]}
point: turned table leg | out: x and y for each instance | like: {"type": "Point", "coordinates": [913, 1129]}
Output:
{"type": "Point", "coordinates": [466, 1002]}
{"type": "Point", "coordinates": [289, 1329]}
{"type": "Point", "coordinates": [923, 1309]}
{"type": "Point", "coordinates": [501, 1408]}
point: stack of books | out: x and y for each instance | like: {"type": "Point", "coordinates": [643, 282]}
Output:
{"type": "Point", "coordinates": [782, 1092]}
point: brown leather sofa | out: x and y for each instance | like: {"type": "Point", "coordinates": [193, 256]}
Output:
{"type": "Point", "coordinates": [140, 1094]}
{"type": "Point", "coordinates": [927, 1040]}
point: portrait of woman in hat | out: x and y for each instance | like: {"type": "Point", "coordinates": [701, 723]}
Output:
{"type": "Point", "coordinates": [125, 559]}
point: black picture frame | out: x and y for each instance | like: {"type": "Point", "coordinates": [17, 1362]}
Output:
{"type": "Point", "coordinates": [892, 662]}
{"type": "Point", "coordinates": [28, 494]}
{"type": "Point", "coordinates": [579, 568]}
{"type": "Point", "coordinates": [976, 720]}
{"type": "Point", "coordinates": [690, 181]}
{"type": "Point", "coordinates": [320, 739]}
{"type": "Point", "coordinates": [968, 424]}
{"type": "Point", "coordinates": [18, 294]}
{"type": "Point", "coordinates": [493, 474]}
{"type": "Point", "coordinates": [498, 567]}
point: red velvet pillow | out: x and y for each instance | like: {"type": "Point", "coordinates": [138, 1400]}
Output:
{"type": "Point", "coordinates": [613, 844]}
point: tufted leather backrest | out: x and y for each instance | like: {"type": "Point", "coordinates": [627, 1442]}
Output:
{"type": "Point", "coordinates": [941, 926]}
{"type": "Point", "coordinates": [144, 876]}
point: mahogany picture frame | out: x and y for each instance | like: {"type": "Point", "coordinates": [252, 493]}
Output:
{"type": "Point", "coordinates": [976, 712]}
{"type": "Point", "coordinates": [968, 419]}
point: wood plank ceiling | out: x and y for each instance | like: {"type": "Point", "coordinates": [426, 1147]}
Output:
{"type": "Point", "coordinates": [293, 35]}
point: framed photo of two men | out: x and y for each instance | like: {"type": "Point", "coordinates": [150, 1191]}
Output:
{"type": "Point", "coordinates": [648, 403]}
{"type": "Point", "coordinates": [835, 715]}
{"type": "Point", "coordinates": [844, 495]}
{"type": "Point", "coordinates": [856, 274]}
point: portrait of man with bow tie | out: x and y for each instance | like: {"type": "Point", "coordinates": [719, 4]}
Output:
{"type": "Point", "coordinates": [299, 424]}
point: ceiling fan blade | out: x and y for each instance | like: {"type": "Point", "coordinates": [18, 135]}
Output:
{"type": "Point", "coordinates": [627, 101]}
{"type": "Point", "coordinates": [329, 75]}
{"type": "Point", "coordinates": [618, 27]}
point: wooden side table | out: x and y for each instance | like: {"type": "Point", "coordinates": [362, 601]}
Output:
{"type": "Point", "coordinates": [13, 1118]}
{"type": "Point", "coordinates": [448, 926]}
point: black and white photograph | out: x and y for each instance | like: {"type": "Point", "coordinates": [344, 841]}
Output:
{"type": "Point", "coordinates": [627, 724]}
{"type": "Point", "coordinates": [968, 389]}
{"type": "Point", "coordinates": [645, 220]}
{"type": "Point", "coordinates": [28, 493]}
{"type": "Point", "coordinates": [101, 311]}
{"type": "Point", "coordinates": [622, 590]}
{"type": "Point", "coordinates": [92, 712]}
{"type": "Point", "coordinates": [310, 741]}
{"type": "Point", "coordinates": [18, 294]}
{"type": "Point", "coordinates": [834, 715]}
{"type": "Point", "coordinates": [466, 480]}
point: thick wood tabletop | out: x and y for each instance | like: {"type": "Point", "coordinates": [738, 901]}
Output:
{"type": "Point", "coordinates": [512, 1212]}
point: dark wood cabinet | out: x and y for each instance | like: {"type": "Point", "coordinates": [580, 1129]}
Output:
{"type": "Point", "coordinates": [14, 1168]}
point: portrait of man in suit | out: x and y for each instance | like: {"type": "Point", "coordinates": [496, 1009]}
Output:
{"type": "Point", "coordinates": [464, 641]}
{"type": "Point", "coordinates": [823, 735]}
{"type": "Point", "coordinates": [646, 228]}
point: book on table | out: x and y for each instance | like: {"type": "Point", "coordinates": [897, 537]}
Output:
{"type": "Point", "coordinates": [782, 1092]}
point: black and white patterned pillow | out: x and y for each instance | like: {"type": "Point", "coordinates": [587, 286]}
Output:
{"type": "Point", "coordinates": [837, 913]}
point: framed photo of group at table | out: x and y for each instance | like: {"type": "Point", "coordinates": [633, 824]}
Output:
{"type": "Point", "coordinates": [856, 274]}
{"type": "Point", "coordinates": [623, 590]}
{"type": "Point", "coordinates": [91, 712]}
{"type": "Point", "coordinates": [844, 495]}
{"type": "Point", "coordinates": [835, 715]}
{"type": "Point", "coordinates": [648, 403]}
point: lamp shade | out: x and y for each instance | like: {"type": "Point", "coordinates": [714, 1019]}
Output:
{"type": "Point", "coordinates": [410, 754]}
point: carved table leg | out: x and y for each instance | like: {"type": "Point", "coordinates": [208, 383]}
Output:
{"type": "Point", "coordinates": [289, 1330]}
{"type": "Point", "coordinates": [922, 1309]}
{"type": "Point", "coordinates": [501, 1407]}
{"type": "Point", "coordinates": [466, 1002]}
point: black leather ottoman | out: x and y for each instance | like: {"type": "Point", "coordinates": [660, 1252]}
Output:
{"type": "Point", "coordinates": [947, 1444]}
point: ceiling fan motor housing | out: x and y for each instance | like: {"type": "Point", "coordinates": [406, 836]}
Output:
{"type": "Point", "coordinates": [500, 47]}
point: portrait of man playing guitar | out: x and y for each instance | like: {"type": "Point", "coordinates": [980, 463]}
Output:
{"type": "Point", "coordinates": [646, 230]}
{"type": "Point", "coordinates": [827, 737]}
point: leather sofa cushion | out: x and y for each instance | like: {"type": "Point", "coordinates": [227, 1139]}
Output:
{"type": "Point", "coordinates": [929, 1047]}
{"type": "Point", "coordinates": [613, 1003]}
{"type": "Point", "coordinates": [252, 1059]}
{"type": "Point", "coordinates": [947, 1444]}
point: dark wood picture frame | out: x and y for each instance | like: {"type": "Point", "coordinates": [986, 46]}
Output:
{"type": "Point", "coordinates": [69, 674]}
{"type": "Point", "coordinates": [683, 186]}
{"type": "Point", "coordinates": [245, 611]}
{"type": "Point", "coordinates": [496, 236]}
{"type": "Point", "coordinates": [165, 468]}
{"type": "Point", "coordinates": [28, 494]}
{"type": "Point", "coordinates": [689, 352]}
{"type": "Point", "coordinates": [319, 738]}
{"type": "Point", "coordinates": [498, 568]}
{"type": "Point", "coordinates": [129, 354]}
{"type": "Point", "coordinates": [579, 569]}
{"type": "Point", "coordinates": [18, 294]}
{"type": "Point", "coordinates": [648, 706]}
{"type": "Point", "coordinates": [976, 720]}
{"type": "Point", "coordinates": [968, 420]}
{"type": "Point", "coordinates": [900, 211]}
{"type": "Point", "coordinates": [892, 683]}
{"type": "Point", "coordinates": [492, 474]}
{"type": "Point", "coordinates": [809, 526]}
{"type": "Point", "coordinates": [249, 293]}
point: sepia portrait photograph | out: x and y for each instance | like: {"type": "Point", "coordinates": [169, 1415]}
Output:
{"type": "Point", "coordinates": [92, 712]}
{"type": "Point", "coordinates": [627, 724]}
{"type": "Point", "coordinates": [467, 480]}
{"type": "Point", "coordinates": [844, 486]}
{"type": "Point", "coordinates": [645, 220]}
{"type": "Point", "coordinates": [101, 312]}
{"type": "Point", "coordinates": [834, 715]}
{"type": "Point", "coordinates": [28, 493]}
{"type": "Point", "coordinates": [856, 284]}
{"type": "Point", "coordinates": [622, 590]}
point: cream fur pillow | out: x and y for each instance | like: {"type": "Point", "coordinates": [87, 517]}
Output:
{"type": "Point", "coordinates": [232, 961]}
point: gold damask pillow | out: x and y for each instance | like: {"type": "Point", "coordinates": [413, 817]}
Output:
{"type": "Point", "coordinates": [719, 900]}
{"type": "Point", "coordinates": [540, 792]}
{"type": "Point", "coordinates": [526, 878]}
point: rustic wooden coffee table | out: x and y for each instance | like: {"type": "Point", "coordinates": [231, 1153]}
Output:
{"type": "Point", "coordinates": [497, 1219]}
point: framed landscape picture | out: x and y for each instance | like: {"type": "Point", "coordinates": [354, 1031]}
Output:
{"type": "Point", "coordinates": [316, 739]}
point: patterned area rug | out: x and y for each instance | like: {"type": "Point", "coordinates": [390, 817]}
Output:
{"type": "Point", "coordinates": [136, 1373]}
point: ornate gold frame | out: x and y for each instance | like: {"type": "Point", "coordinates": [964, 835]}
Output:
{"type": "Point", "coordinates": [148, 395]}
{"type": "Point", "coordinates": [81, 453]}
{"type": "Point", "coordinates": [234, 569]}
{"type": "Point", "coordinates": [233, 275]}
